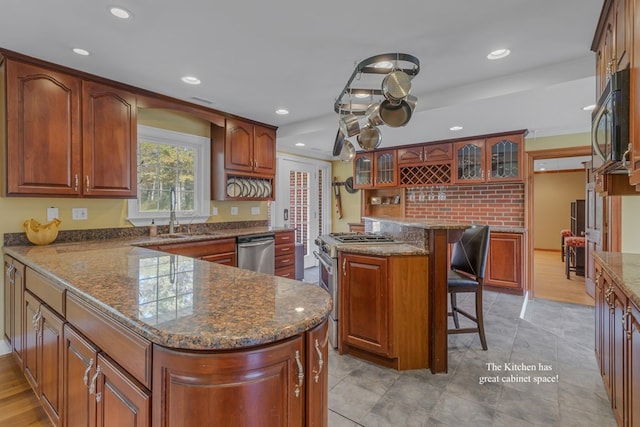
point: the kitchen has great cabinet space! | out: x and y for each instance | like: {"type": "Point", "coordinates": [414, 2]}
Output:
{"type": "Point", "coordinates": [285, 254]}
{"type": "Point", "coordinates": [375, 169]}
{"type": "Point", "coordinates": [67, 136]}
{"type": "Point", "coordinates": [429, 164]}
{"type": "Point", "coordinates": [14, 305]}
{"type": "Point", "coordinates": [221, 251]}
{"type": "Point", "coordinates": [384, 309]}
{"type": "Point", "coordinates": [491, 160]}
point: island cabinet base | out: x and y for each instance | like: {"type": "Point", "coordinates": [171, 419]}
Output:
{"type": "Point", "coordinates": [384, 309]}
{"type": "Point", "coordinates": [274, 385]}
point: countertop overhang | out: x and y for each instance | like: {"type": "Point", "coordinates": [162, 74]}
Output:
{"type": "Point", "coordinates": [177, 301]}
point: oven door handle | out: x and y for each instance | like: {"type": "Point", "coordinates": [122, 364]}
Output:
{"type": "Point", "coordinates": [326, 265]}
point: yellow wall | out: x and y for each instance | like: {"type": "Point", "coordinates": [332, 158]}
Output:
{"type": "Point", "coordinates": [630, 226]}
{"type": "Point", "coordinates": [553, 194]}
{"type": "Point", "coordinates": [533, 143]}
{"type": "Point", "coordinates": [350, 202]}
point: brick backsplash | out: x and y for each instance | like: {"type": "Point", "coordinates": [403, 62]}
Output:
{"type": "Point", "coordinates": [493, 204]}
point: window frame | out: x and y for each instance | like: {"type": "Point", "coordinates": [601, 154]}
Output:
{"type": "Point", "coordinates": [202, 177]}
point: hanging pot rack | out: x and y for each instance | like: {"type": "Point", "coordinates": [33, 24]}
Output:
{"type": "Point", "coordinates": [411, 67]}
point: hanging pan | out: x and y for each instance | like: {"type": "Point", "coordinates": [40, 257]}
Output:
{"type": "Point", "coordinates": [369, 138]}
{"type": "Point", "coordinates": [396, 86]}
{"type": "Point", "coordinates": [397, 115]}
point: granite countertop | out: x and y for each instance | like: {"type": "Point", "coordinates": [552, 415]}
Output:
{"type": "Point", "coordinates": [383, 249]}
{"type": "Point", "coordinates": [421, 223]}
{"type": "Point", "coordinates": [624, 269]}
{"type": "Point", "coordinates": [184, 237]}
{"type": "Point", "coordinates": [177, 301]}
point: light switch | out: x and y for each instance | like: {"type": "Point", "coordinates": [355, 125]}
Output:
{"type": "Point", "coordinates": [234, 210]}
{"type": "Point", "coordinates": [214, 211]}
{"type": "Point", "coordinates": [255, 210]}
{"type": "Point", "coordinates": [52, 213]}
{"type": "Point", "coordinates": [79, 213]}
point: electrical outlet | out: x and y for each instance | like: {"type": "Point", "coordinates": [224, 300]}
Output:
{"type": "Point", "coordinates": [79, 214]}
{"type": "Point", "coordinates": [214, 212]}
{"type": "Point", "coordinates": [234, 210]}
{"type": "Point", "coordinates": [52, 213]}
{"type": "Point", "coordinates": [255, 210]}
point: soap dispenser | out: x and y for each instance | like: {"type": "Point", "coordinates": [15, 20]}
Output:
{"type": "Point", "coordinates": [153, 229]}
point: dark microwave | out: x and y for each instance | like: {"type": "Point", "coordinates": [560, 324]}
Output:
{"type": "Point", "coordinates": [610, 124]}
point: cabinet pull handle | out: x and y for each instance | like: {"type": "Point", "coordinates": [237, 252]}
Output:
{"type": "Point", "coordinates": [285, 249]}
{"type": "Point", "coordinates": [300, 374]}
{"type": "Point", "coordinates": [94, 379]}
{"type": "Point", "coordinates": [35, 321]}
{"type": "Point", "coordinates": [344, 267]}
{"type": "Point", "coordinates": [316, 377]}
{"type": "Point", "coordinates": [624, 321]}
{"type": "Point", "coordinates": [85, 378]}
{"type": "Point", "coordinates": [75, 188]}
{"type": "Point", "coordinates": [88, 186]}
{"type": "Point", "coordinates": [624, 160]}
{"type": "Point", "coordinates": [284, 261]}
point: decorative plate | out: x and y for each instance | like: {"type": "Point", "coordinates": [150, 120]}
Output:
{"type": "Point", "coordinates": [234, 189]}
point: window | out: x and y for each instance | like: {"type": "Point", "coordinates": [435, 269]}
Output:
{"type": "Point", "coordinates": [171, 160]}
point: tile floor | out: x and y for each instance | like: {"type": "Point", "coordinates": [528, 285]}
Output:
{"type": "Point", "coordinates": [553, 340]}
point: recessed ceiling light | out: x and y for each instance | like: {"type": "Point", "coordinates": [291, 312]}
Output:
{"type": "Point", "coordinates": [82, 52]}
{"type": "Point", "coordinates": [119, 12]}
{"type": "Point", "coordinates": [282, 111]}
{"type": "Point", "coordinates": [454, 128]}
{"type": "Point", "coordinates": [299, 144]}
{"type": "Point", "coordinates": [499, 53]}
{"type": "Point", "coordinates": [589, 107]}
{"type": "Point", "coordinates": [191, 80]}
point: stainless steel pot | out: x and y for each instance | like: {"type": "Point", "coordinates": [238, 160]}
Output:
{"type": "Point", "coordinates": [348, 151]}
{"type": "Point", "coordinates": [369, 138]}
{"type": "Point", "coordinates": [396, 86]}
{"type": "Point", "coordinates": [373, 114]}
{"type": "Point", "coordinates": [397, 115]}
{"type": "Point", "coordinates": [349, 125]}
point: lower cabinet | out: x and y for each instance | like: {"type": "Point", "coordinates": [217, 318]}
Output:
{"type": "Point", "coordinates": [43, 355]}
{"type": "Point", "coordinates": [221, 251]}
{"type": "Point", "coordinates": [268, 386]}
{"type": "Point", "coordinates": [504, 263]}
{"type": "Point", "coordinates": [14, 304]}
{"type": "Point", "coordinates": [384, 309]}
{"type": "Point", "coordinates": [285, 254]}
{"type": "Point", "coordinates": [617, 347]}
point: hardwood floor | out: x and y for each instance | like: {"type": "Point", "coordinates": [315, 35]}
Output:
{"type": "Point", "coordinates": [551, 283]}
{"type": "Point", "coordinates": [19, 405]}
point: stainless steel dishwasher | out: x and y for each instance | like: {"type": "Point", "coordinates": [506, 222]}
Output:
{"type": "Point", "coordinates": [256, 252]}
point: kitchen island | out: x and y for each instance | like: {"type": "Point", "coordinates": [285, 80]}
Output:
{"type": "Point", "coordinates": [137, 336]}
{"type": "Point", "coordinates": [433, 237]}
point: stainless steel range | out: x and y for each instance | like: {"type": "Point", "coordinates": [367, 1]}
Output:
{"type": "Point", "coordinates": [327, 255]}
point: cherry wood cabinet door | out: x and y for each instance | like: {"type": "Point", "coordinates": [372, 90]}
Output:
{"type": "Point", "coordinates": [386, 169]}
{"type": "Point", "coordinates": [607, 335]}
{"type": "Point", "coordinates": [504, 263]}
{"type": "Point", "coordinates": [9, 290]}
{"type": "Point", "coordinates": [31, 343]}
{"type": "Point", "coordinates": [264, 150]}
{"type": "Point", "coordinates": [364, 309]}
{"type": "Point", "coordinates": [410, 155]}
{"type": "Point", "coordinates": [600, 310]}
{"type": "Point", "coordinates": [238, 147]}
{"type": "Point", "coordinates": [363, 170]}
{"type": "Point", "coordinates": [618, 348]}
{"type": "Point", "coordinates": [261, 387]}
{"type": "Point", "coordinates": [633, 376]}
{"type": "Point", "coordinates": [109, 141]}
{"type": "Point", "coordinates": [43, 131]}
{"type": "Point", "coordinates": [469, 161]}
{"type": "Point", "coordinates": [80, 358]}
{"type": "Point", "coordinates": [18, 307]}
{"type": "Point", "coordinates": [317, 379]}
{"type": "Point", "coordinates": [505, 157]}
{"type": "Point", "coordinates": [120, 401]}
{"type": "Point", "coordinates": [50, 357]}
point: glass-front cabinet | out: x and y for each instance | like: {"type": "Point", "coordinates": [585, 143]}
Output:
{"type": "Point", "coordinates": [375, 169]}
{"type": "Point", "coordinates": [469, 161]}
{"type": "Point", "coordinates": [504, 159]}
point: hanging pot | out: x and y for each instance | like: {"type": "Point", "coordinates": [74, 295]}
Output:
{"type": "Point", "coordinates": [373, 114]}
{"type": "Point", "coordinates": [348, 151]}
{"type": "Point", "coordinates": [396, 86]}
{"type": "Point", "coordinates": [349, 125]}
{"type": "Point", "coordinates": [397, 115]}
{"type": "Point", "coordinates": [348, 185]}
{"type": "Point", "coordinates": [337, 145]}
{"type": "Point", "coordinates": [369, 138]}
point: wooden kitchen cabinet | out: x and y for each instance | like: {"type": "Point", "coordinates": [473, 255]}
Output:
{"type": "Point", "coordinates": [14, 304]}
{"type": "Point", "coordinates": [66, 136]}
{"type": "Point", "coordinates": [109, 141]}
{"type": "Point", "coordinates": [429, 164]}
{"type": "Point", "coordinates": [495, 159]}
{"type": "Point", "coordinates": [80, 358]}
{"type": "Point", "coordinates": [384, 309]}
{"type": "Point", "coordinates": [249, 148]}
{"type": "Point", "coordinates": [505, 263]}
{"type": "Point", "coordinates": [632, 412]}
{"type": "Point", "coordinates": [221, 251]}
{"type": "Point", "coordinates": [43, 355]}
{"type": "Point", "coordinates": [317, 348]}
{"type": "Point", "coordinates": [285, 254]}
{"type": "Point", "coordinates": [375, 169]}
{"type": "Point", "coordinates": [200, 388]}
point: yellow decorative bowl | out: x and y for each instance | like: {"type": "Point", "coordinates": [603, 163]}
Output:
{"type": "Point", "coordinates": [41, 234]}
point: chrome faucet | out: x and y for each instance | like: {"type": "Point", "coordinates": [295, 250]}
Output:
{"type": "Point", "coordinates": [172, 213]}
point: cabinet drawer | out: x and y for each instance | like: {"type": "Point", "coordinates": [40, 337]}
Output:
{"type": "Point", "coordinates": [284, 260]}
{"type": "Point", "coordinates": [288, 272]}
{"type": "Point", "coordinates": [200, 249]}
{"type": "Point", "coordinates": [47, 290]}
{"type": "Point", "coordinates": [128, 349]}
{"type": "Point", "coordinates": [286, 249]}
{"type": "Point", "coordinates": [285, 237]}
{"type": "Point", "coordinates": [228, 258]}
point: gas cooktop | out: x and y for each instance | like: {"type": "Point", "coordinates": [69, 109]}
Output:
{"type": "Point", "coordinates": [360, 238]}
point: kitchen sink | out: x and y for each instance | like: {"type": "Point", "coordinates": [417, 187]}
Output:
{"type": "Point", "coordinates": [188, 234]}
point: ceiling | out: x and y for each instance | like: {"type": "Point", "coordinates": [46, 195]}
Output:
{"type": "Point", "coordinates": [254, 57]}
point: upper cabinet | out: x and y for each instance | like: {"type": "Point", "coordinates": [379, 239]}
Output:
{"type": "Point", "coordinates": [249, 148]}
{"type": "Point", "coordinates": [492, 160]}
{"type": "Point", "coordinates": [375, 169]}
{"type": "Point", "coordinates": [428, 164]}
{"type": "Point", "coordinates": [613, 40]}
{"type": "Point", "coordinates": [66, 136]}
